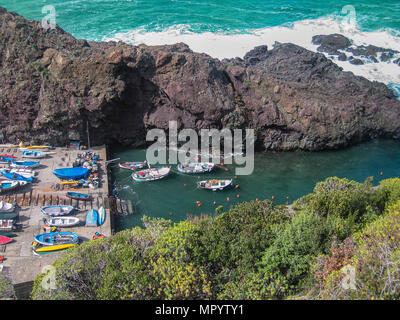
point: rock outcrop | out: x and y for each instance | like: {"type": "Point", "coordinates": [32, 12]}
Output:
{"type": "Point", "coordinates": [342, 47]}
{"type": "Point", "coordinates": [52, 86]}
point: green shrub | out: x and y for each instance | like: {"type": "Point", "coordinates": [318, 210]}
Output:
{"type": "Point", "coordinates": [235, 240]}
{"type": "Point", "coordinates": [6, 289]}
{"type": "Point", "coordinates": [290, 256]}
{"type": "Point", "coordinates": [389, 191]}
{"type": "Point", "coordinates": [375, 261]}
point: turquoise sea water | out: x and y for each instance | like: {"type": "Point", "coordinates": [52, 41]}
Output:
{"type": "Point", "coordinates": [95, 19]}
{"type": "Point", "coordinates": [284, 176]}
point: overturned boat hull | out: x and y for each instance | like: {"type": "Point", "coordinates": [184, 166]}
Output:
{"type": "Point", "coordinates": [55, 211]}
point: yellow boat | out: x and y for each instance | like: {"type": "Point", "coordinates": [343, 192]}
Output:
{"type": "Point", "coordinates": [38, 147]}
{"type": "Point", "coordinates": [58, 247]}
{"type": "Point", "coordinates": [69, 182]}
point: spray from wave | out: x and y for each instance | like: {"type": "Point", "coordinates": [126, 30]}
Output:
{"type": "Point", "coordinates": [230, 45]}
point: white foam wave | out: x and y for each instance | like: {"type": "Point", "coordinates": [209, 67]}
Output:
{"type": "Point", "coordinates": [221, 45]}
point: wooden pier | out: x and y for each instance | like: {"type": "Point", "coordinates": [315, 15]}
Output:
{"type": "Point", "coordinates": [121, 207]}
{"type": "Point", "coordinates": [22, 265]}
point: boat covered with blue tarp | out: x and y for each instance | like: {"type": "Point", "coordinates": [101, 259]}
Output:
{"type": "Point", "coordinates": [71, 173]}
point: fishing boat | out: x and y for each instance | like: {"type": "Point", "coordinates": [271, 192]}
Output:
{"type": "Point", "coordinates": [16, 176]}
{"type": "Point", "coordinates": [6, 158]}
{"type": "Point", "coordinates": [69, 182]}
{"type": "Point", "coordinates": [8, 185]}
{"type": "Point", "coordinates": [62, 222]}
{"type": "Point", "coordinates": [55, 211]}
{"type": "Point", "coordinates": [50, 249]}
{"type": "Point", "coordinates": [40, 147]}
{"type": "Point", "coordinates": [23, 171]}
{"type": "Point", "coordinates": [6, 207]}
{"type": "Point", "coordinates": [36, 148]}
{"type": "Point", "coordinates": [4, 240]}
{"type": "Point", "coordinates": [56, 238]}
{"type": "Point", "coordinates": [25, 164]}
{"type": "Point", "coordinates": [133, 165]}
{"type": "Point", "coordinates": [196, 167]}
{"type": "Point", "coordinates": [33, 154]}
{"type": "Point", "coordinates": [92, 218]}
{"type": "Point", "coordinates": [102, 216]}
{"type": "Point", "coordinates": [214, 185]}
{"type": "Point", "coordinates": [151, 174]}
{"type": "Point", "coordinates": [78, 196]}
{"type": "Point", "coordinates": [71, 173]}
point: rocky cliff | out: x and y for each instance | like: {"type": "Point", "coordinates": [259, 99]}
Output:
{"type": "Point", "coordinates": [52, 86]}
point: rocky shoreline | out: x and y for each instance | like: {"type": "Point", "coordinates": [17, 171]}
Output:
{"type": "Point", "coordinates": [343, 48]}
{"type": "Point", "coordinates": [53, 86]}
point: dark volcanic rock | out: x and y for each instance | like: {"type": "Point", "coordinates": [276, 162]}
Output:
{"type": "Point", "coordinates": [355, 61]}
{"type": "Point", "coordinates": [332, 43]}
{"type": "Point", "coordinates": [257, 54]}
{"type": "Point", "coordinates": [342, 57]}
{"type": "Point", "coordinates": [52, 85]}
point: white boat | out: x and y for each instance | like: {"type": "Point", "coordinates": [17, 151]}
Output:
{"type": "Point", "coordinates": [102, 216]}
{"type": "Point", "coordinates": [6, 207]}
{"type": "Point", "coordinates": [24, 171]}
{"type": "Point", "coordinates": [151, 174]}
{"type": "Point", "coordinates": [196, 167]}
{"type": "Point", "coordinates": [8, 185]}
{"type": "Point", "coordinates": [33, 154]}
{"type": "Point", "coordinates": [36, 148]}
{"type": "Point", "coordinates": [62, 222]}
{"type": "Point", "coordinates": [215, 184]}
{"type": "Point", "coordinates": [25, 164]}
{"type": "Point", "coordinates": [133, 165]}
{"type": "Point", "coordinates": [27, 173]}
{"type": "Point", "coordinates": [55, 211]}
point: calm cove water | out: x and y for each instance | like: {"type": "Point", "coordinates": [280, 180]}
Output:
{"type": "Point", "coordinates": [278, 175]}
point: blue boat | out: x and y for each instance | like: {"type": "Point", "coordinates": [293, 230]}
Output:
{"type": "Point", "coordinates": [8, 185]}
{"type": "Point", "coordinates": [57, 238]}
{"type": "Point", "coordinates": [102, 216]}
{"type": "Point", "coordinates": [71, 173]}
{"type": "Point", "coordinates": [25, 164]}
{"type": "Point", "coordinates": [92, 218]}
{"type": "Point", "coordinates": [78, 196]}
{"type": "Point", "coordinates": [33, 154]}
{"type": "Point", "coordinates": [5, 158]}
{"type": "Point", "coordinates": [15, 176]}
